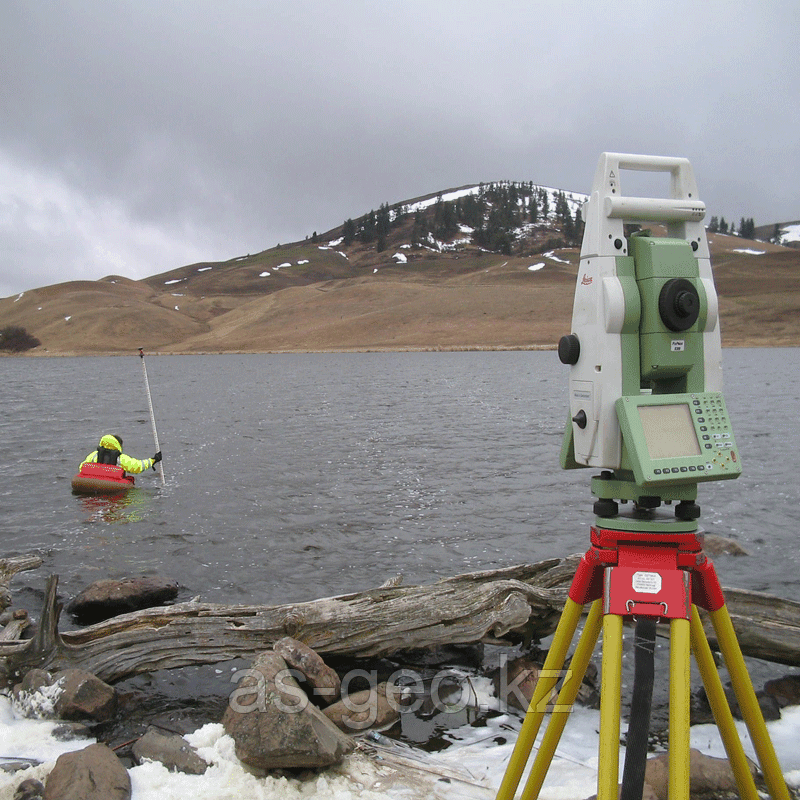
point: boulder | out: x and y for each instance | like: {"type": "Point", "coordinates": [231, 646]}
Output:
{"type": "Point", "coordinates": [93, 773]}
{"type": "Point", "coordinates": [84, 697]}
{"type": "Point", "coordinates": [701, 709]}
{"type": "Point", "coordinates": [275, 726]}
{"type": "Point", "coordinates": [720, 545]}
{"type": "Point", "coordinates": [376, 707]}
{"type": "Point", "coordinates": [173, 751]}
{"type": "Point", "coordinates": [107, 598]}
{"type": "Point", "coordinates": [72, 694]}
{"type": "Point", "coordinates": [69, 731]}
{"type": "Point", "coordinates": [29, 789]}
{"type": "Point", "coordinates": [708, 777]}
{"type": "Point", "coordinates": [766, 702]}
{"type": "Point", "coordinates": [32, 681]}
{"type": "Point", "coordinates": [324, 680]}
{"type": "Point", "coordinates": [785, 690]}
{"type": "Point", "coordinates": [516, 681]}
{"type": "Point", "coordinates": [36, 694]}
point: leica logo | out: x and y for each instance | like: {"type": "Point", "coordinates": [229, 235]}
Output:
{"type": "Point", "coordinates": [586, 280]}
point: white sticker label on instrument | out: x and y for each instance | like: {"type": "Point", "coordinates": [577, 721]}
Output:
{"type": "Point", "coordinates": [646, 582]}
{"type": "Point", "coordinates": [678, 345]}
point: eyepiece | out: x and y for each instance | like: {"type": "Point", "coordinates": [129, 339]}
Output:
{"type": "Point", "coordinates": [679, 304]}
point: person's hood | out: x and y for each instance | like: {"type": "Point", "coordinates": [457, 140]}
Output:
{"type": "Point", "coordinates": [110, 443]}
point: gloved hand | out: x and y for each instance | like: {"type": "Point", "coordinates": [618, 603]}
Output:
{"type": "Point", "coordinates": [156, 458]}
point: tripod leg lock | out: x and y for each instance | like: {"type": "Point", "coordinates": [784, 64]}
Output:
{"type": "Point", "coordinates": [706, 588]}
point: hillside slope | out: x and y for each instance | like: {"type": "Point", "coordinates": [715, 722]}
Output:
{"type": "Point", "coordinates": [419, 282]}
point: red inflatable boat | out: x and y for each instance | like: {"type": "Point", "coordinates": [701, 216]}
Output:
{"type": "Point", "coordinates": [101, 479]}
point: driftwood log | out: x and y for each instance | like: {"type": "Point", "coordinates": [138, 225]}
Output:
{"type": "Point", "coordinates": [468, 608]}
{"type": "Point", "coordinates": [766, 626]}
{"type": "Point", "coordinates": [9, 567]}
{"type": "Point", "coordinates": [479, 606]}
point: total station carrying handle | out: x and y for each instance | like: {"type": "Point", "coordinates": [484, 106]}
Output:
{"type": "Point", "coordinates": [608, 209]}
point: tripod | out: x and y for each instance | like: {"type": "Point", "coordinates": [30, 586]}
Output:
{"type": "Point", "coordinates": [630, 574]}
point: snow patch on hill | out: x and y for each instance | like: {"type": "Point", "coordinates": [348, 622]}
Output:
{"type": "Point", "coordinates": [575, 200]}
{"type": "Point", "coordinates": [790, 233]}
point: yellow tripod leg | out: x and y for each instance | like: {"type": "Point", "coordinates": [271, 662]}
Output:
{"type": "Point", "coordinates": [679, 701]}
{"type": "Point", "coordinates": [610, 691]}
{"type": "Point", "coordinates": [748, 703]}
{"type": "Point", "coordinates": [721, 709]}
{"type": "Point", "coordinates": [566, 697]}
{"type": "Point", "coordinates": [570, 617]}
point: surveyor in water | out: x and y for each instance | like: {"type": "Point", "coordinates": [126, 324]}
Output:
{"type": "Point", "coordinates": [109, 451]}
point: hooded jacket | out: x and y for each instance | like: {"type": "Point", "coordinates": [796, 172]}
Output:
{"type": "Point", "coordinates": [127, 463]}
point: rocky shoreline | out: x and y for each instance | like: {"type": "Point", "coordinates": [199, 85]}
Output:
{"type": "Point", "coordinates": [288, 710]}
{"type": "Point", "coordinates": [286, 715]}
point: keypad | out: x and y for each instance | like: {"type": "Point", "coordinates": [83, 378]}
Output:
{"type": "Point", "coordinates": [715, 432]}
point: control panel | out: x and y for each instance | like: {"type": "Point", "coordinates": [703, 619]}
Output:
{"type": "Point", "coordinates": [674, 439]}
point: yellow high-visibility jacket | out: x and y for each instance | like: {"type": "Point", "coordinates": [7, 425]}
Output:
{"type": "Point", "coordinates": [126, 462]}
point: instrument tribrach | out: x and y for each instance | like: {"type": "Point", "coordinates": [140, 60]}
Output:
{"type": "Point", "coordinates": [647, 411]}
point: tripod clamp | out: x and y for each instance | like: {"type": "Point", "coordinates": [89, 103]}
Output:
{"type": "Point", "coordinates": [639, 573]}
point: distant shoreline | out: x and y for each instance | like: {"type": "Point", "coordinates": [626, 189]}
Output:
{"type": "Point", "coordinates": [338, 350]}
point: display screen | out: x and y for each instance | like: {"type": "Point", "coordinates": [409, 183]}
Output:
{"type": "Point", "coordinates": [669, 431]}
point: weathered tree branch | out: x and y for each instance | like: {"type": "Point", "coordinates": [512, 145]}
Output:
{"type": "Point", "coordinates": [467, 608]}
{"type": "Point", "coordinates": [9, 567]}
{"type": "Point", "coordinates": [479, 606]}
{"type": "Point", "coordinates": [15, 626]}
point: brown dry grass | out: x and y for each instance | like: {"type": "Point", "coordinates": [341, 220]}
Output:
{"type": "Point", "coordinates": [472, 300]}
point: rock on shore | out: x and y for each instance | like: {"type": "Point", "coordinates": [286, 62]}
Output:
{"type": "Point", "coordinates": [275, 726]}
{"type": "Point", "coordinates": [107, 598]}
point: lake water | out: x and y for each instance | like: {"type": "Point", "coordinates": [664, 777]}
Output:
{"type": "Point", "coordinates": [291, 477]}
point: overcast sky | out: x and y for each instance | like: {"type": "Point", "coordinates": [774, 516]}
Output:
{"type": "Point", "coordinates": [141, 135]}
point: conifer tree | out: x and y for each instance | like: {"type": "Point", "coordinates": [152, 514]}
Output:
{"type": "Point", "coordinates": [419, 232]}
{"type": "Point", "coordinates": [533, 209]}
{"type": "Point", "coordinates": [747, 228]}
{"type": "Point", "coordinates": [348, 232]}
{"type": "Point", "coordinates": [445, 221]}
{"type": "Point", "coordinates": [383, 222]}
{"type": "Point", "coordinates": [545, 202]}
{"type": "Point", "coordinates": [368, 228]}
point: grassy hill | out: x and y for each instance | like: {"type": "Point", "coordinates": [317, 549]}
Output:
{"type": "Point", "coordinates": [410, 276]}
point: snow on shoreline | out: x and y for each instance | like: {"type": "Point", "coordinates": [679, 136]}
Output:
{"type": "Point", "coordinates": [471, 768]}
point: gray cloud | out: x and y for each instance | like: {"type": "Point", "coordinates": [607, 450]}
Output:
{"type": "Point", "coordinates": [140, 136]}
